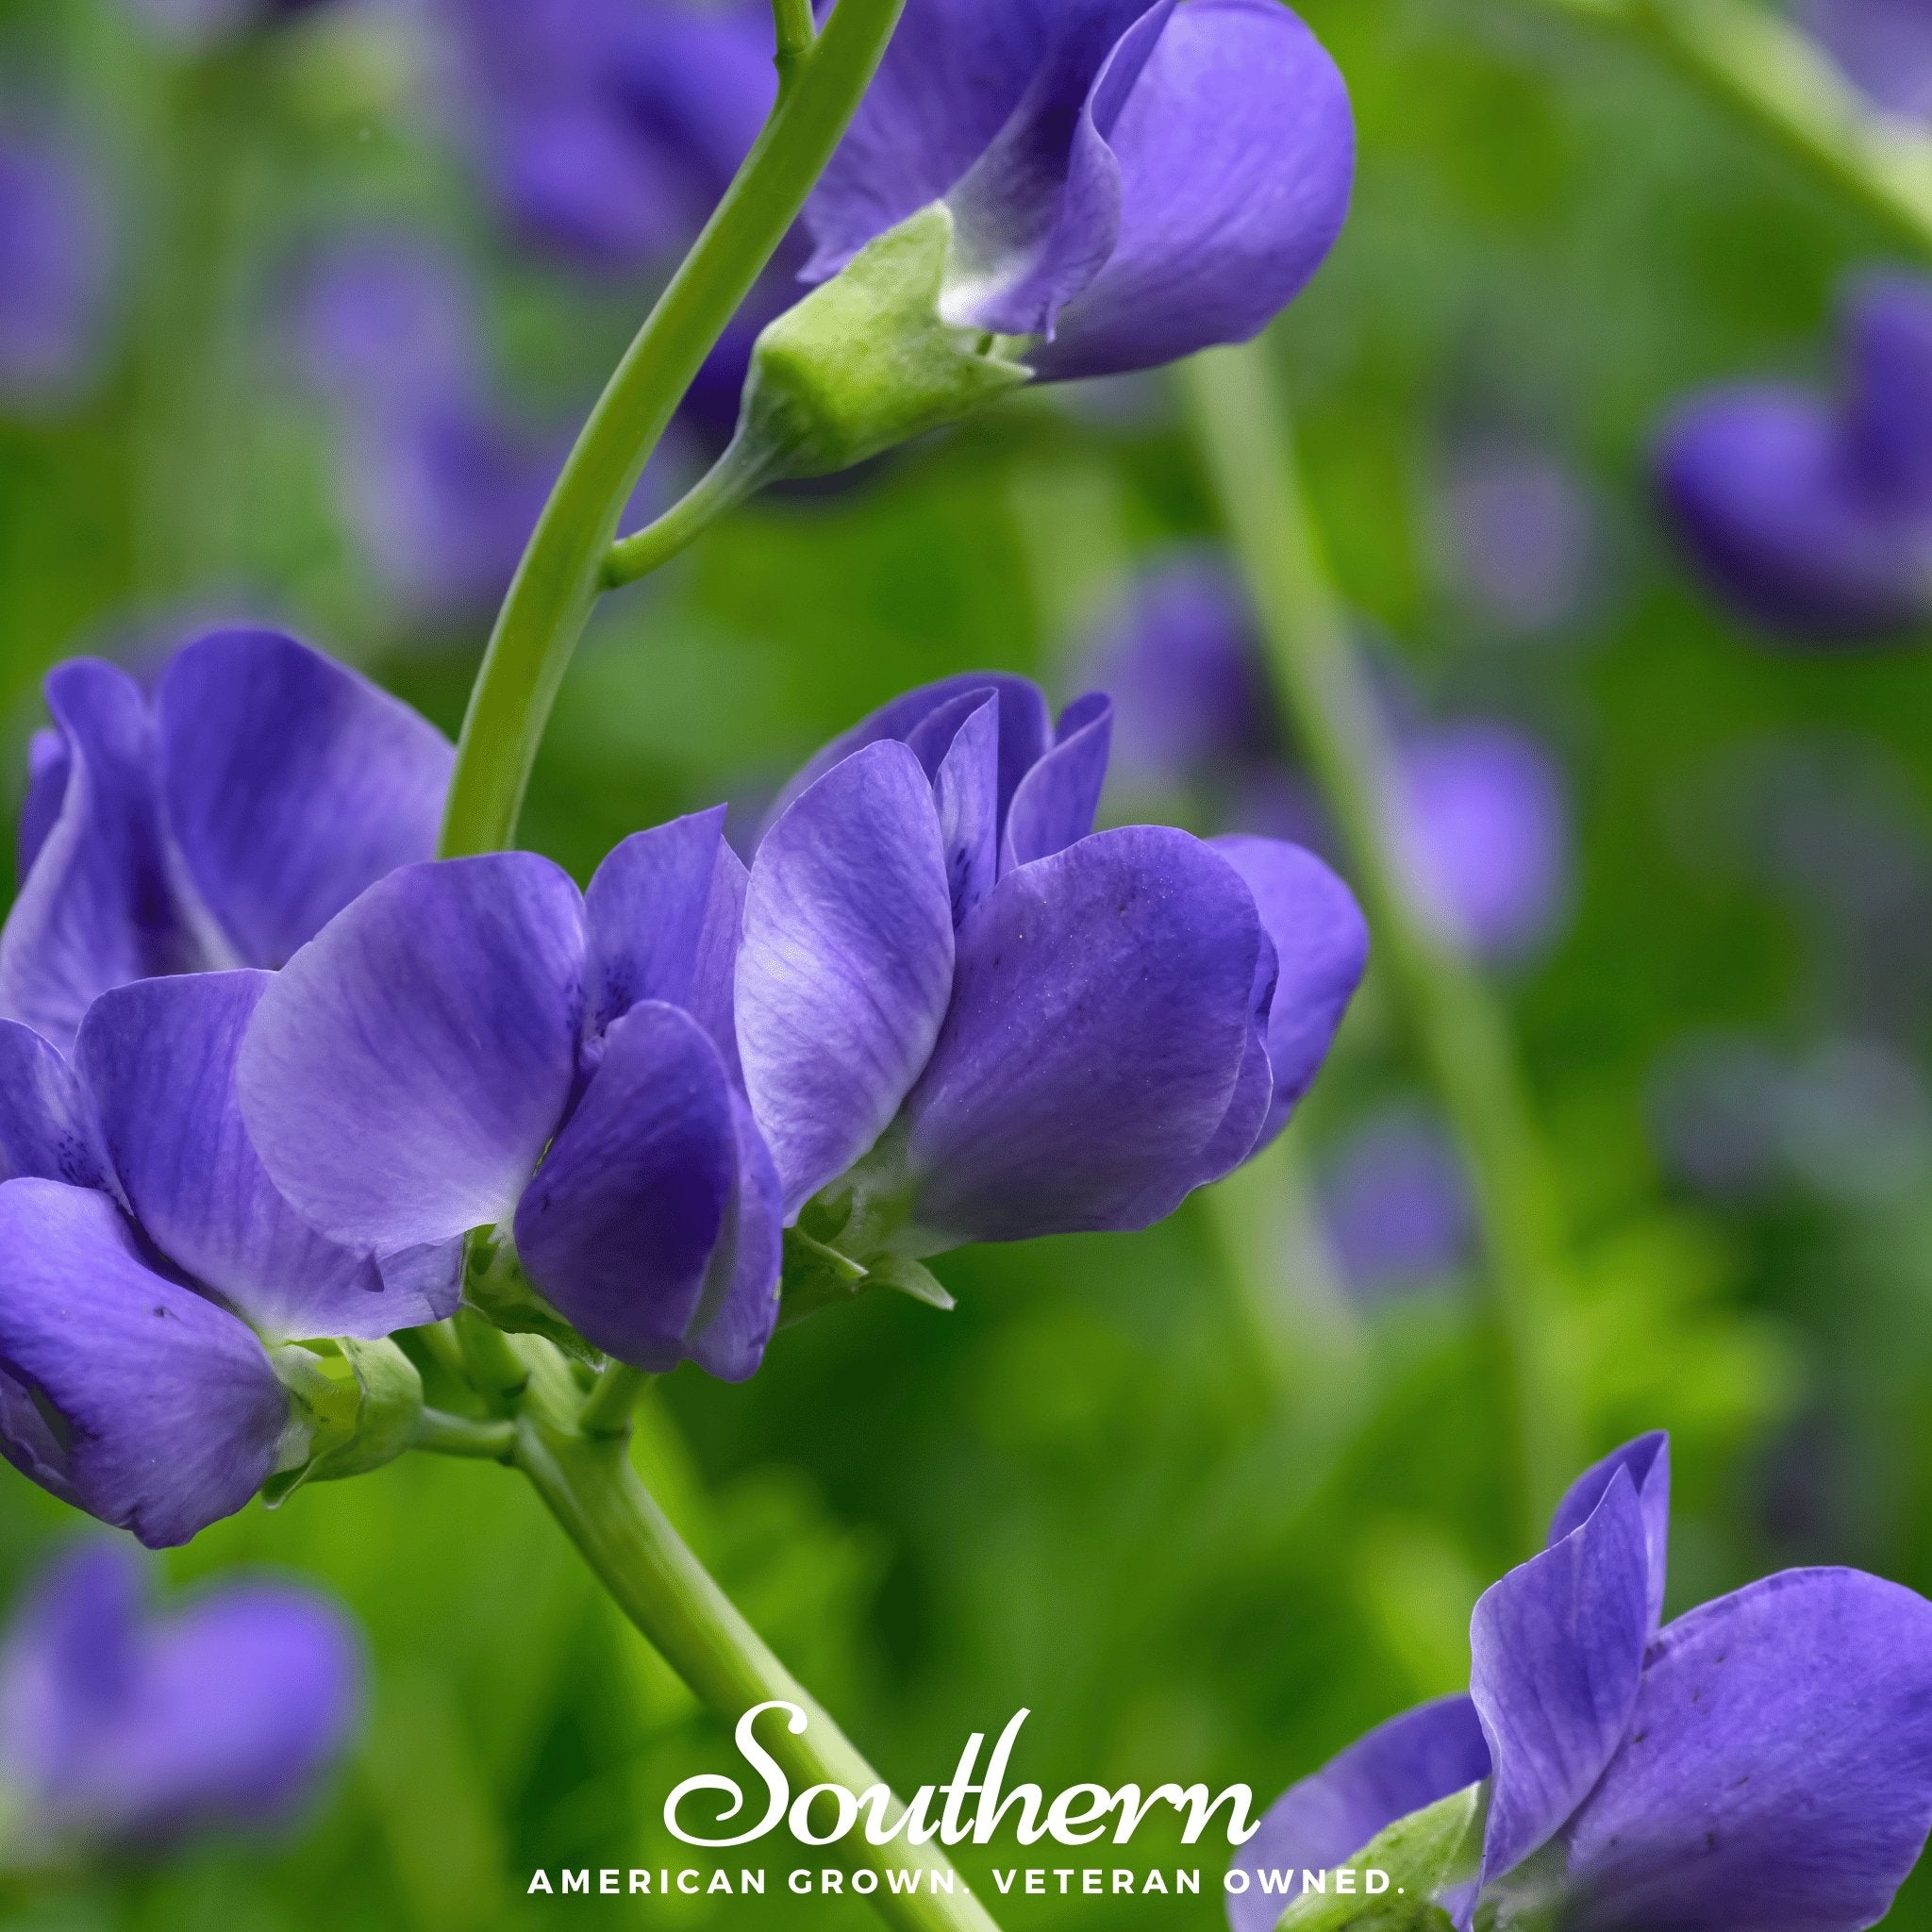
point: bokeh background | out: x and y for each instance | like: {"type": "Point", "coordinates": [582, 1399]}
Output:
{"type": "Point", "coordinates": [1209, 1500]}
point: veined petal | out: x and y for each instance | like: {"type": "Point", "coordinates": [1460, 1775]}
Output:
{"type": "Point", "coordinates": [664, 914]}
{"type": "Point", "coordinates": [620, 1225]}
{"type": "Point", "coordinates": [1038, 214]}
{"type": "Point", "coordinates": [1026, 731]}
{"type": "Point", "coordinates": [1413, 1760]}
{"type": "Point", "coordinates": [1236, 151]}
{"type": "Point", "coordinates": [1098, 1021]}
{"type": "Point", "coordinates": [404, 1071]}
{"type": "Point", "coordinates": [1322, 942]}
{"type": "Point", "coordinates": [136, 1399]}
{"type": "Point", "coordinates": [1252, 1101]}
{"type": "Point", "coordinates": [847, 964]}
{"type": "Point", "coordinates": [1778, 1775]}
{"type": "Point", "coordinates": [1647, 1462]}
{"type": "Point", "coordinates": [291, 784]}
{"type": "Point", "coordinates": [1556, 1649]}
{"type": "Point", "coordinates": [98, 907]}
{"type": "Point", "coordinates": [738, 1310]}
{"type": "Point", "coordinates": [952, 75]}
{"type": "Point", "coordinates": [46, 1127]}
{"type": "Point", "coordinates": [966, 793]}
{"type": "Point", "coordinates": [1056, 801]}
{"type": "Point", "coordinates": [159, 1058]}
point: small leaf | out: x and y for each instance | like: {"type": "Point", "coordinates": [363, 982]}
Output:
{"type": "Point", "coordinates": [1422, 1856]}
{"type": "Point", "coordinates": [911, 1277]}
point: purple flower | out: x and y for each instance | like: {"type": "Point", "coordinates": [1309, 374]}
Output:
{"type": "Point", "coordinates": [1016, 1026]}
{"type": "Point", "coordinates": [1127, 181]}
{"type": "Point", "coordinates": [1884, 46]}
{"type": "Point", "coordinates": [124, 1731]}
{"type": "Point", "coordinates": [1521, 536]}
{"type": "Point", "coordinates": [148, 1266]}
{"type": "Point", "coordinates": [1395, 1204]}
{"type": "Point", "coordinates": [55, 266]}
{"type": "Point", "coordinates": [219, 824]}
{"type": "Point", "coordinates": [1811, 516]}
{"type": "Point", "coordinates": [1764, 1763]}
{"type": "Point", "coordinates": [463, 1021]}
{"type": "Point", "coordinates": [1479, 809]}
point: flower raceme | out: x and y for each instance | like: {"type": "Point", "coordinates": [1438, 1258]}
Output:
{"type": "Point", "coordinates": [220, 823]}
{"type": "Point", "coordinates": [1763, 1764]}
{"type": "Point", "coordinates": [126, 1733]}
{"type": "Point", "coordinates": [937, 1008]}
{"type": "Point", "coordinates": [1811, 516]}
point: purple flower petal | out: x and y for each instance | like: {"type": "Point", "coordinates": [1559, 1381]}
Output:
{"type": "Point", "coordinates": [1395, 1205]}
{"type": "Point", "coordinates": [620, 1225]}
{"type": "Point", "coordinates": [47, 767]}
{"type": "Point", "coordinates": [1556, 1651]}
{"type": "Point", "coordinates": [952, 76]}
{"type": "Point", "coordinates": [1097, 1027]}
{"type": "Point", "coordinates": [1039, 212]}
{"type": "Point", "coordinates": [139, 1400]}
{"type": "Point", "coordinates": [98, 907]}
{"type": "Point", "coordinates": [664, 914]}
{"type": "Point", "coordinates": [56, 265]}
{"type": "Point", "coordinates": [966, 793]}
{"type": "Point", "coordinates": [1778, 1775]}
{"type": "Point", "coordinates": [1886, 333]}
{"type": "Point", "coordinates": [1253, 1090]}
{"type": "Point", "coordinates": [738, 1310]}
{"type": "Point", "coordinates": [1647, 1462]}
{"type": "Point", "coordinates": [1322, 941]}
{"type": "Point", "coordinates": [159, 1058]}
{"type": "Point", "coordinates": [290, 785]}
{"type": "Point", "coordinates": [1764, 492]}
{"type": "Point", "coordinates": [1026, 731]}
{"type": "Point", "coordinates": [1413, 1760]}
{"type": "Point", "coordinates": [1056, 801]}
{"type": "Point", "coordinates": [846, 966]}
{"type": "Point", "coordinates": [47, 1127]}
{"type": "Point", "coordinates": [1236, 151]}
{"type": "Point", "coordinates": [1885, 47]}
{"type": "Point", "coordinates": [406, 1069]}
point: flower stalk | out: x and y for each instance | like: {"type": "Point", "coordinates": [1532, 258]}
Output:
{"type": "Point", "coordinates": [562, 574]}
{"type": "Point", "coordinates": [1241, 426]}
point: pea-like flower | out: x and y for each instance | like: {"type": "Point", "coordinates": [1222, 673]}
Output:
{"type": "Point", "coordinates": [1811, 515]}
{"type": "Point", "coordinates": [56, 265]}
{"type": "Point", "coordinates": [1478, 806]}
{"type": "Point", "coordinates": [465, 1020]}
{"type": "Point", "coordinates": [1126, 182]}
{"type": "Point", "coordinates": [1763, 1764]}
{"type": "Point", "coordinates": [966, 1016]}
{"type": "Point", "coordinates": [124, 1732]}
{"type": "Point", "coordinates": [151, 1276]}
{"type": "Point", "coordinates": [219, 824]}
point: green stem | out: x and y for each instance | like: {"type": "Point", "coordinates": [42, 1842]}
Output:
{"type": "Point", "coordinates": [796, 32]}
{"type": "Point", "coordinates": [662, 1587]}
{"type": "Point", "coordinates": [1757, 63]}
{"type": "Point", "coordinates": [1240, 424]}
{"type": "Point", "coordinates": [613, 1396]}
{"type": "Point", "coordinates": [730, 481]}
{"type": "Point", "coordinates": [558, 582]}
{"type": "Point", "coordinates": [456, 1434]}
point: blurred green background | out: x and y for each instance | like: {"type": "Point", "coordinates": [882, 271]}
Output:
{"type": "Point", "coordinates": [1205, 1519]}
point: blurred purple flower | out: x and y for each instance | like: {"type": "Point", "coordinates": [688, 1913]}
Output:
{"type": "Point", "coordinates": [1129, 179]}
{"type": "Point", "coordinates": [221, 823]}
{"type": "Point", "coordinates": [1763, 1764]}
{"type": "Point", "coordinates": [465, 1020]}
{"type": "Point", "coordinates": [1884, 46]}
{"type": "Point", "coordinates": [1520, 534]}
{"type": "Point", "coordinates": [124, 1731]}
{"type": "Point", "coordinates": [1481, 809]}
{"type": "Point", "coordinates": [1811, 516]}
{"type": "Point", "coordinates": [55, 266]}
{"type": "Point", "coordinates": [1395, 1204]}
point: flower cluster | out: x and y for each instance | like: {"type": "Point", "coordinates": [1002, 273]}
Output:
{"type": "Point", "coordinates": [1763, 1762]}
{"type": "Point", "coordinates": [123, 1733]}
{"type": "Point", "coordinates": [1811, 516]}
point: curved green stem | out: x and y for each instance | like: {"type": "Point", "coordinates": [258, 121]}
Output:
{"type": "Point", "coordinates": [730, 480]}
{"type": "Point", "coordinates": [558, 582]}
{"type": "Point", "coordinates": [1241, 427]}
{"type": "Point", "coordinates": [457, 1435]}
{"type": "Point", "coordinates": [1757, 63]}
{"type": "Point", "coordinates": [661, 1586]}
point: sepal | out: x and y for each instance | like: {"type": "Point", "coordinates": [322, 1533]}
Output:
{"type": "Point", "coordinates": [818, 1276]}
{"type": "Point", "coordinates": [496, 1288]}
{"type": "Point", "coordinates": [352, 1406]}
{"type": "Point", "coordinates": [1427, 1854]}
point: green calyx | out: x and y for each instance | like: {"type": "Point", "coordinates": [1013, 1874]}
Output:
{"type": "Point", "coordinates": [352, 1406]}
{"type": "Point", "coordinates": [1418, 1858]}
{"type": "Point", "coordinates": [865, 362]}
{"type": "Point", "coordinates": [851, 1237]}
{"type": "Point", "coordinates": [496, 1288]}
